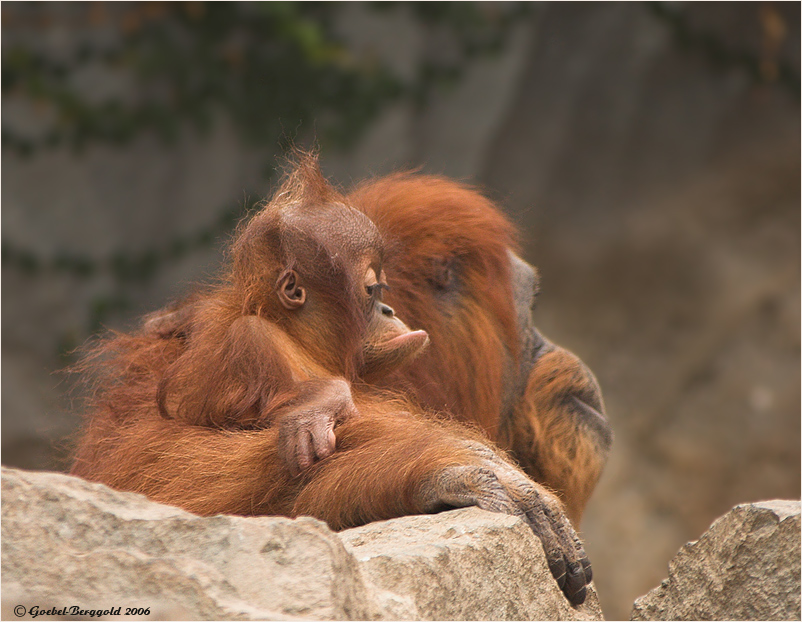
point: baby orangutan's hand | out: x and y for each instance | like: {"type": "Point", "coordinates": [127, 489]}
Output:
{"type": "Point", "coordinates": [306, 430]}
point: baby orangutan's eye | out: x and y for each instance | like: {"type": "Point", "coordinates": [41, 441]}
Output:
{"type": "Point", "coordinates": [375, 290]}
{"type": "Point", "coordinates": [375, 282]}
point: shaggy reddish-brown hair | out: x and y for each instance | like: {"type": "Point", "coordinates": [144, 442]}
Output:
{"type": "Point", "coordinates": [448, 268]}
{"type": "Point", "coordinates": [180, 410]}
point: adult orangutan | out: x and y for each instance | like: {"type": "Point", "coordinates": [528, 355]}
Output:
{"type": "Point", "coordinates": [453, 271]}
{"type": "Point", "coordinates": [216, 405]}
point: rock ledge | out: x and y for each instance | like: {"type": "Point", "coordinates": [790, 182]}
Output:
{"type": "Point", "coordinates": [69, 542]}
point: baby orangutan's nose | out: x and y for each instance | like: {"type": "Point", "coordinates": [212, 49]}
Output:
{"type": "Point", "coordinates": [388, 311]}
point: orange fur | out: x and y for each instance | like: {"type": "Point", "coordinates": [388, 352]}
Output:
{"type": "Point", "coordinates": [425, 221]}
{"type": "Point", "coordinates": [546, 441]}
{"type": "Point", "coordinates": [186, 407]}
{"type": "Point", "coordinates": [429, 222]}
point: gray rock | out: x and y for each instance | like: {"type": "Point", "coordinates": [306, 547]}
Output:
{"type": "Point", "coordinates": [745, 567]}
{"type": "Point", "coordinates": [67, 542]}
{"type": "Point", "coordinates": [480, 567]}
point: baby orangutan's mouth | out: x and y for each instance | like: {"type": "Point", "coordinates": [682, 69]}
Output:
{"type": "Point", "coordinates": [414, 340]}
{"type": "Point", "coordinates": [385, 357]}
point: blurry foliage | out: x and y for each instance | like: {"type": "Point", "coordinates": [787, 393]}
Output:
{"type": "Point", "coordinates": [124, 267]}
{"type": "Point", "coordinates": [270, 68]}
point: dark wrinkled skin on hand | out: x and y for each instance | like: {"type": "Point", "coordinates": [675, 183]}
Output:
{"type": "Point", "coordinates": [498, 486]}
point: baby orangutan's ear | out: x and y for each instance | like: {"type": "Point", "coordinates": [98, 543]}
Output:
{"type": "Point", "coordinates": [289, 291]}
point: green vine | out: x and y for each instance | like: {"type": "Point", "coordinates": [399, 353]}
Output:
{"type": "Point", "coordinates": [125, 268]}
{"type": "Point", "coordinates": [266, 66]}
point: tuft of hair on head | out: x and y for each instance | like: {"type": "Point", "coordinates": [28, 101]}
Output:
{"type": "Point", "coordinates": [303, 184]}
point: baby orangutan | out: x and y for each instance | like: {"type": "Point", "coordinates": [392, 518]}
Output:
{"type": "Point", "coordinates": [301, 321]}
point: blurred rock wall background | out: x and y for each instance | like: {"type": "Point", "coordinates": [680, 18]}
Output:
{"type": "Point", "coordinates": [650, 154]}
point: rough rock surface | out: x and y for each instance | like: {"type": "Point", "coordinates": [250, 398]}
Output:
{"type": "Point", "coordinates": [69, 542]}
{"type": "Point", "coordinates": [65, 540]}
{"type": "Point", "coordinates": [745, 567]}
{"type": "Point", "coordinates": [479, 567]}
